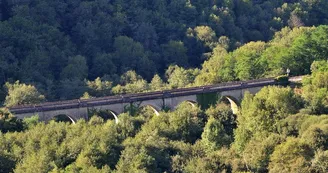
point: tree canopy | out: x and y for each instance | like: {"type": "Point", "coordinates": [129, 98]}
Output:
{"type": "Point", "coordinates": [57, 50]}
{"type": "Point", "coordinates": [57, 44]}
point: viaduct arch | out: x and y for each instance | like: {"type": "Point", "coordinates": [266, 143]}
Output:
{"type": "Point", "coordinates": [72, 120]}
{"type": "Point", "coordinates": [234, 103]}
{"type": "Point", "coordinates": [154, 108]}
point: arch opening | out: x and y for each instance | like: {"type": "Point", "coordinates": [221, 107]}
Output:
{"type": "Point", "coordinates": [114, 115]}
{"type": "Point", "coordinates": [189, 102]}
{"type": "Point", "coordinates": [192, 103]}
{"type": "Point", "coordinates": [233, 102]}
{"type": "Point", "coordinates": [149, 107]}
{"type": "Point", "coordinates": [105, 114]}
{"type": "Point", "coordinates": [63, 118]}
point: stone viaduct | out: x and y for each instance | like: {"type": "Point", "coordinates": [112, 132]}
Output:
{"type": "Point", "coordinates": [157, 101]}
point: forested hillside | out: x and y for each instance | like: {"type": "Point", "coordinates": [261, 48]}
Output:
{"type": "Point", "coordinates": [68, 49]}
{"type": "Point", "coordinates": [57, 45]}
{"type": "Point", "coordinates": [278, 130]}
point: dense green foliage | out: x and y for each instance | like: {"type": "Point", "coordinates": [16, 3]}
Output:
{"type": "Point", "coordinates": [59, 49]}
{"type": "Point", "coordinates": [275, 131]}
{"type": "Point", "coordinates": [293, 49]}
{"type": "Point", "coordinates": [22, 94]}
{"type": "Point", "coordinates": [60, 46]}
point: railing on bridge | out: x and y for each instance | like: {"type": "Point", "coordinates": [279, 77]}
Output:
{"type": "Point", "coordinates": [128, 98]}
